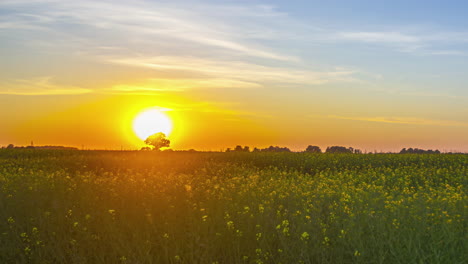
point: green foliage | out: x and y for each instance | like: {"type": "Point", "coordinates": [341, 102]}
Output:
{"type": "Point", "coordinates": [157, 207]}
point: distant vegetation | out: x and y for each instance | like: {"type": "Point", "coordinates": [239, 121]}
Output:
{"type": "Point", "coordinates": [333, 149]}
{"type": "Point", "coordinates": [11, 146]}
{"type": "Point", "coordinates": [63, 206]}
{"type": "Point", "coordinates": [157, 141]}
{"type": "Point", "coordinates": [419, 151]}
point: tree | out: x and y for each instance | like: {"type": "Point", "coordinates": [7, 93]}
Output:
{"type": "Point", "coordinates": [419, 151]}
{"type": "Point", "coordinates": [238, 148]}
{"type": "Point", "coordinates": [339, 149]}
{"type": "Point", "coordinates": [158, 141]}
{"type": "Point", "coordinates": [313, 149]}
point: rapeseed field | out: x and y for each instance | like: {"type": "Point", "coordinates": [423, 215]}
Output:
{"type": "Point", "coordinates": [178, 207]}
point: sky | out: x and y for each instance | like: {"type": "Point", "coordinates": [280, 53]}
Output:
{"type": "Point", "coordinates": [375, 75]}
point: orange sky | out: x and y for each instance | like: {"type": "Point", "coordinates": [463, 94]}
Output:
{"type": "Point", "coordinates": [105, 122]}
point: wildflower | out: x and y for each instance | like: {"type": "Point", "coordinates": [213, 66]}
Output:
{"type": "Point", "coordinates": [10, 220]}
{"type": "Point", "coordinates": [27, 250]}
{"type": "Point", "coordinates": [204, 218]}
{"type": "Point", "coordinates": [305, 236]}
{"type": "Point", "coordinates": [230, 225]}
{"type": "Point", "coordinates": [177, 258]}
{"type": "Point", "coordinates": [261, 209]}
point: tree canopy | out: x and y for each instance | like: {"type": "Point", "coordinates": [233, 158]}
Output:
{"type": "Point", "coordinates": [158, 141]}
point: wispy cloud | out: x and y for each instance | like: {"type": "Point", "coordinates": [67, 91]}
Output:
{"type": "Point", "coordinates": [237, 73]}
{"type": "Point", "coordinates": [162, 22]}
{"type": "Point", "coordinates": [39, 86]}
{"type": "Point", "coordinates": [379, 37]}
{"type": "Point", "coordinates": [403, 120]}
{"type": "Point", "coordinates": [423, 41]}
{"type": "Point", "coordinates": [177, 85]}
{"type": "Point", "coordinates": [222, 45]}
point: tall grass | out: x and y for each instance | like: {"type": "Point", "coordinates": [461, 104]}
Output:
{"type": "Point", "coordinates": [141, 207]}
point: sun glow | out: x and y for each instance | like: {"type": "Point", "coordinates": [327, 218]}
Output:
{"type": "Point", "coordinates": [151, 121]}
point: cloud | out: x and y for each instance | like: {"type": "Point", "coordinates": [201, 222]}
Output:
{"type": "Point", "coordinates": [39, 86]}
{"type": "Point", "coordinates": [424, 41]}
{"type": "Point", "coordinates": [147, 22]}
{"type": "Point", "coordinates": [237, 72]}
{"type": "Point", "coordinates": [403, 120]}
{"type": "Point", "coordinates": [382, 37]}
{"type": "Point", "coordinates": [175, 85]}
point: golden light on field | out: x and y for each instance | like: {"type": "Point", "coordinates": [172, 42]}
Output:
{"type": "Point", "coordinates": [151, 121]}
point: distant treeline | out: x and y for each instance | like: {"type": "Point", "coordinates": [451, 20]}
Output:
{"type": "Point", "coordinates": [11, 146]}
{"type": "Point", "coordinates": [239, 148]}
{"type": "Point", "coordinates": [419, 151]}
{"type": "Point", "coordinates": [332, 149]}
{"type": "Point", "coordinates": [309, 149]}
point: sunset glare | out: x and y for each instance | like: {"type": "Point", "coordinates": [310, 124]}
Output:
{"type": "Point", "coordinates": [151, 121]}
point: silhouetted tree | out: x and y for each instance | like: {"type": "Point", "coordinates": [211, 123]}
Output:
{"type": "Point", "coordinates": [357, 151]}
{"type": "Point", "coordinates": [158, 141]}
{"type": "Point", "coordinates": [418, 151]}
{"type": "Point", "coordinates": [275, 149]}
{"type": "Point", "coordinates": [238, 148]}
{"type": "Point", "coordinates": [313, 149]}
{"type": "Point", "coordinates": [339, 149]}
{"type": "Point", "coordinates": [10, 146]}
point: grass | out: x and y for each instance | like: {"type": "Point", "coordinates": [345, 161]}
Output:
{"type": "Point", "coordinates": [144, 207]}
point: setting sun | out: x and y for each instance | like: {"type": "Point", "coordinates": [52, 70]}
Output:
{"type": "Point", "coordinates": [151, 121]}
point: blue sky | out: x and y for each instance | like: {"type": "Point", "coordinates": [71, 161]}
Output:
{"type": "Point", "coordinates": [394, 62]}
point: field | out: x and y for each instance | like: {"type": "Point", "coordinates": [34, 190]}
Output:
{"type": "Point", "coordinates": [180, 207]}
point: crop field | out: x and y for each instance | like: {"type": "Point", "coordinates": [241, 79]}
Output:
{"type": "Point", "coordinates": [180, 207]}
